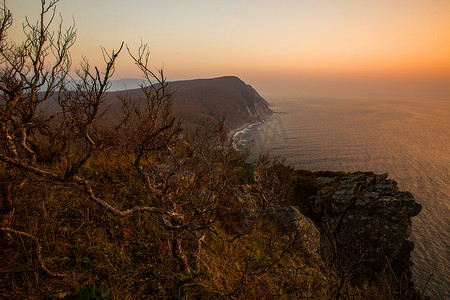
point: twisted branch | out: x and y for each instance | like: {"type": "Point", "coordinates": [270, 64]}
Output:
{"type": "Point", "coordinates": [38, 250]}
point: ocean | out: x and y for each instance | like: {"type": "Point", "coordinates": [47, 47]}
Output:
{"type": "Point", "coordinates": [409, 139]}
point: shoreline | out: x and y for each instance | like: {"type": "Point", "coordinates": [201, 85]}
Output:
{"type": "Point", "coordinates": [233, 132]}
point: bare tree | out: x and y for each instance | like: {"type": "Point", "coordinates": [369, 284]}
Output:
{"type": "Point", "coordinates": [31, 72]}
{"type": "Point", "coordinates": [186, 178]}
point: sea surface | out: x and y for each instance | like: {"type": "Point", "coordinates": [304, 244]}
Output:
{"type": "Point", "coordinates": [409, 139]}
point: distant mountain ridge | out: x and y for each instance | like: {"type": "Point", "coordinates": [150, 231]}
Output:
{"type": "Point", "coordinates": [124, 84]}
{"type": "Point", "coordinates": [209, 100]}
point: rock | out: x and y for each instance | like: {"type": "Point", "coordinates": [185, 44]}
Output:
{"type": "Point", "coordinates": [326, 180]}
{"type": "Point", "coordinates": [364, 225]}
{"type": "Point", "coordinates": [290, 221]}
{"type": "Point", "coordinates": [244, 195]}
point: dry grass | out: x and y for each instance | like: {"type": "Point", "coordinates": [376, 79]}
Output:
{"type": "Point", "coordinates": [108, 257]}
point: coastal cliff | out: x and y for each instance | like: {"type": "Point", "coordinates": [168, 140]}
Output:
{"type": "Point", "coordinates": [211, 101]}
{"type": "Point", "coordinates": [364, 223]}
{"type": "Point", "coordinates": [363, 220]}
{"type": "Point", "coordinates": [154, 215]}
{"type": "Point", "coordinates": [216, 99]}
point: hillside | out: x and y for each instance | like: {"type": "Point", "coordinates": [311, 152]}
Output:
{"type": "Point", "coordinates": [214, 99]}
{"type": "Point", "coordinates": [140, 213]}
{"type": "Point", "coordinates": [209, 100]}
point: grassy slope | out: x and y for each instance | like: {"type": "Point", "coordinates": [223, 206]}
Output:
{"type": "Point", "coordinates": [107, 257]}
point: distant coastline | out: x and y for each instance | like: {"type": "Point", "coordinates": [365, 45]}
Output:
{"type": "Point", "coordinates": [233, 132]}
{"type": "Point", "coordinates": [244, 128]}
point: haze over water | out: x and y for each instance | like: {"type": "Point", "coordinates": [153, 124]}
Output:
{"type": "Point", "coordinates": [409, 139]}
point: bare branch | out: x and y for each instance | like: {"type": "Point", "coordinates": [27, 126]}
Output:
{"type": "Point", "coordinates": [111, 209]}
{"type": "Point", "coordinates": [32, 169]}
{"type": "Point", "coordinates": [38, 249]}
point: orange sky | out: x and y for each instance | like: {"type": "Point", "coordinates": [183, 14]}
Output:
{"type": "Point", "coordinates": [327, 43]}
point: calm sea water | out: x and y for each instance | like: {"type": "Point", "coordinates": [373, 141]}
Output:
{"type": "Point", "coordinates": [409, 139]}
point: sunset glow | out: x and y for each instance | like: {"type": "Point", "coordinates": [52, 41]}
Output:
{"type": "Point", "coordinates": [269, 41]}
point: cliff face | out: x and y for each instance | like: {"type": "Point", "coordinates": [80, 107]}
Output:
{"type": "Point", "coordinates": [215, 99]}
{"type": "Point", "coordinates": [364, 223]}
{"type": "Point", "coordinates": [206, 100]}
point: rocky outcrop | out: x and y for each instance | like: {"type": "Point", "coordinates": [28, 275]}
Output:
{"type": "Point", "coordinates": [362, 220]}
{"type": "Point", "coordinates": [364, 223]}
{"type": "Point", "coordinates": [290, 220]}
{"type": "Point", "coordinates": [287, 219]}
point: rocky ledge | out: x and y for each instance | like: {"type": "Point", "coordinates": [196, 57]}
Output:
{"type": "Point", "coordinates": [364, 223]}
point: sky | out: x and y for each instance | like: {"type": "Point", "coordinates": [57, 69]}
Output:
{"type": "Point", "coordinates": [296, 48]}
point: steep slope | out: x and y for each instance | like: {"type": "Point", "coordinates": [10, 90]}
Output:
{"type": "Point", "coordinates": [214, 99]}
{"type": "Point", "coordinates": [208, 100]}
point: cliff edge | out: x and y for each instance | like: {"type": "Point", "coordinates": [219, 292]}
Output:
{"type": "Point", "coordinates": [364, 223]}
